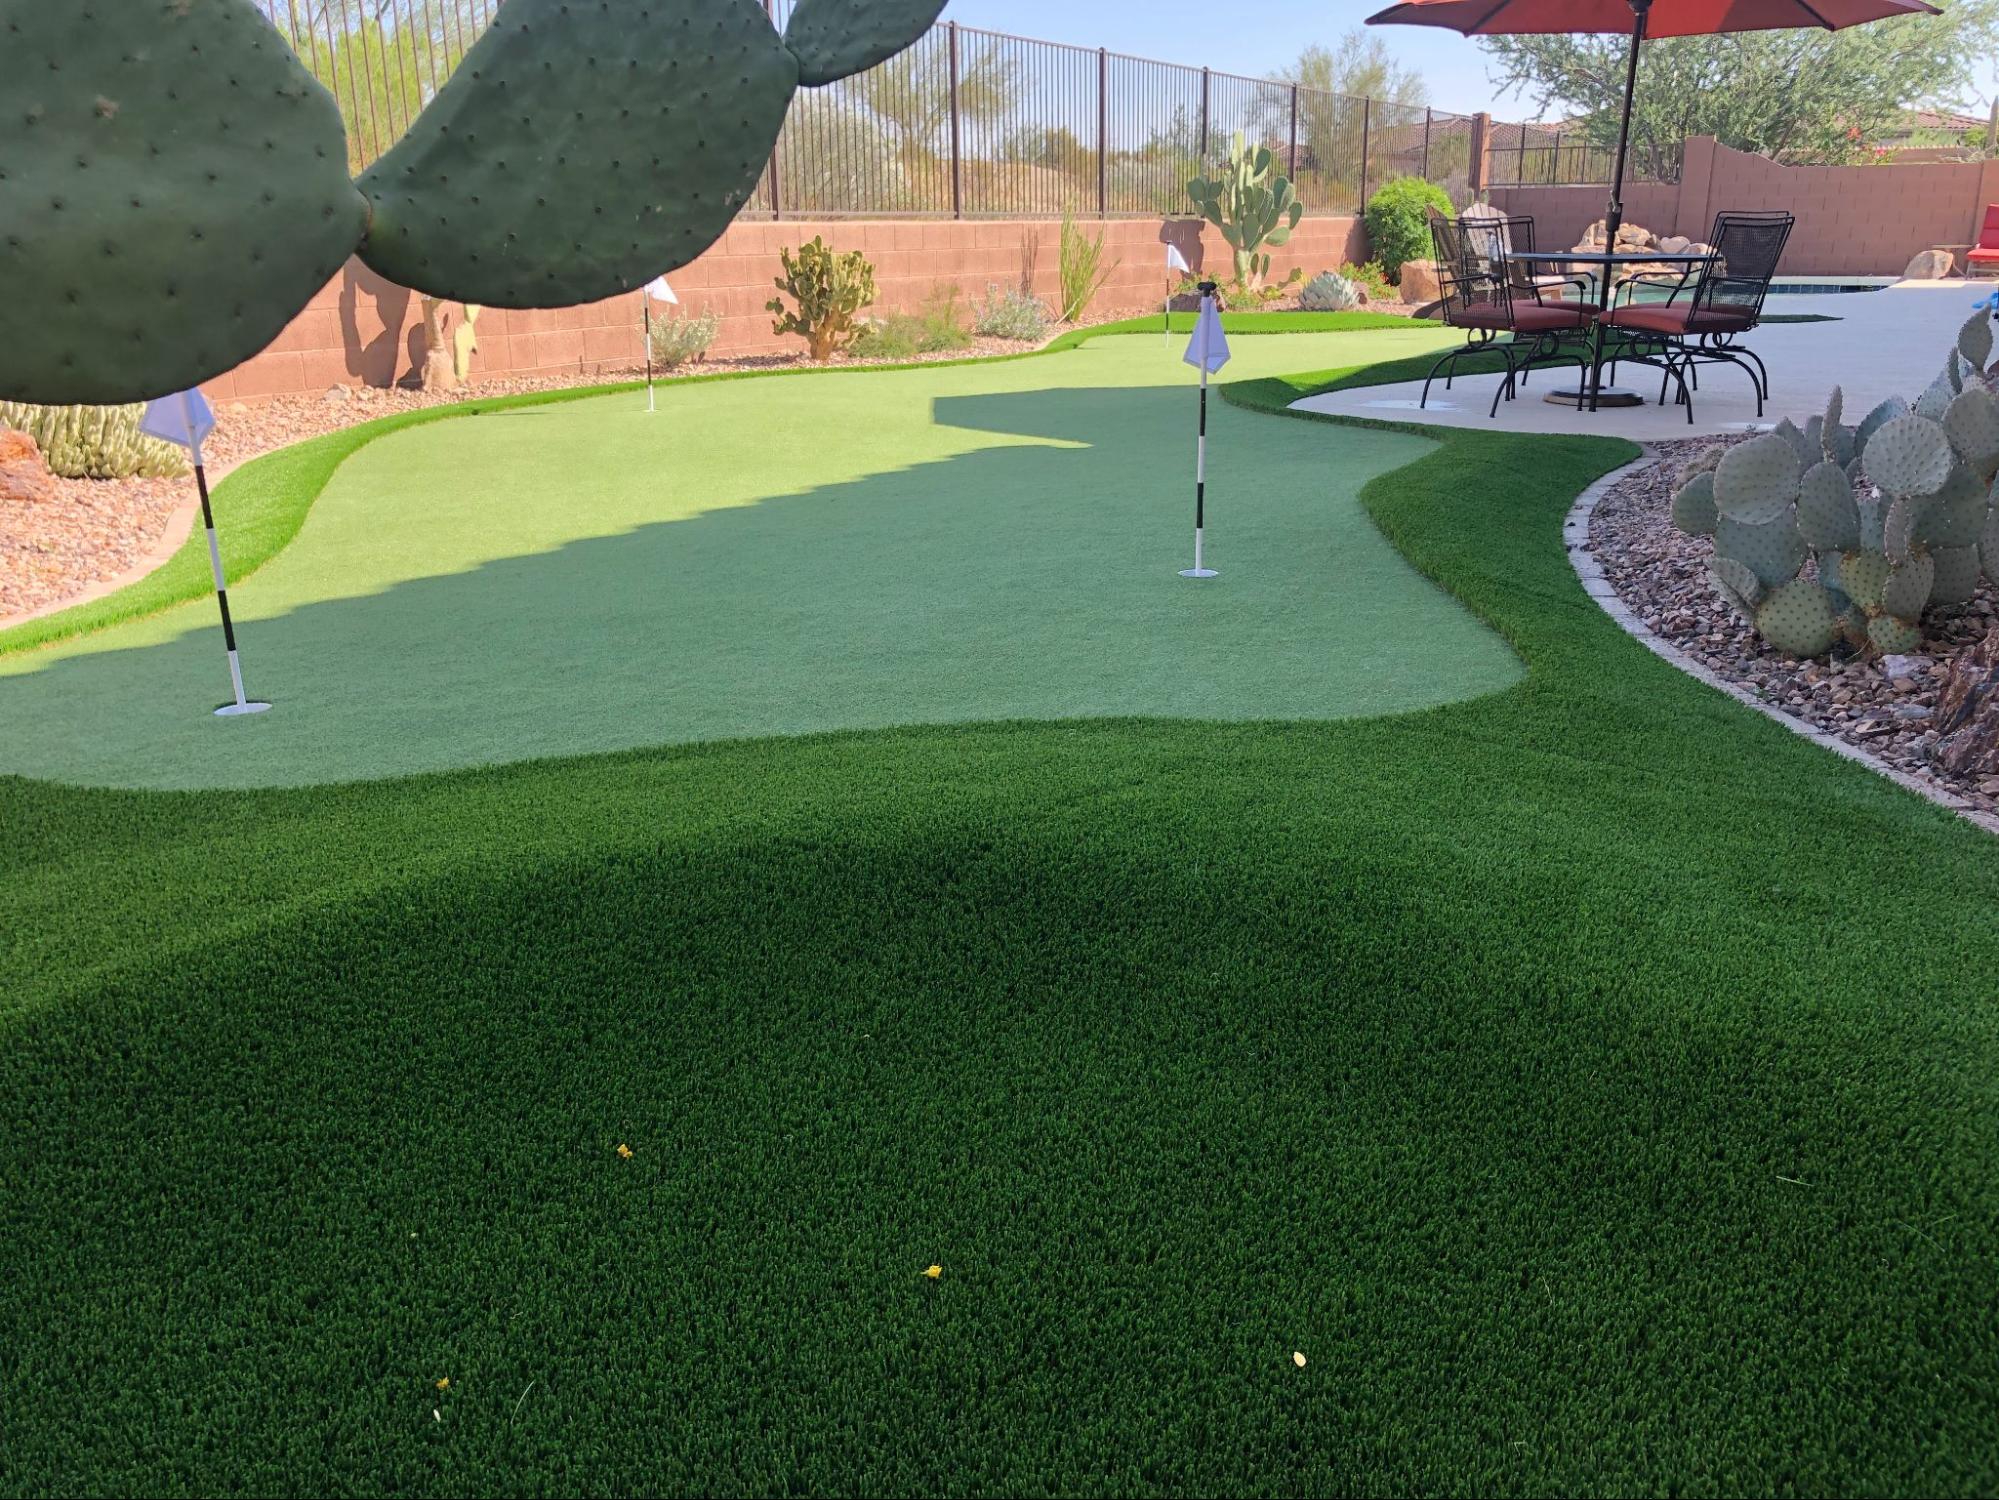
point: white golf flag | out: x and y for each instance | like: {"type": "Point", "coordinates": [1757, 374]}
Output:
{"type": "Point", "coordinates": [659, 291]}
{"type": "Point", "coordinates": [182, 418]}
{"type": "Point", "coordinates": [1209, 348]}
{"type": "Point", "coordinates": [1175, 261]}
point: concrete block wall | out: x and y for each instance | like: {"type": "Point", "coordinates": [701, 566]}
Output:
{"type": "Point", "coordinates": [1852, 221]}
{"type": "Point", "coordinates": [362, 330]}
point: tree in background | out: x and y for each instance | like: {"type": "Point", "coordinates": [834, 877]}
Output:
{"type": "Point", "coordinates": [1803, 96]}
{"type": "Point", "coordinates": [1332, 84]}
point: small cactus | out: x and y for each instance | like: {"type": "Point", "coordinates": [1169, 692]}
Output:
{"type": "Point", "coordinates": [829, 289]}
{"type": "Point", "coordinates": [94, 442]}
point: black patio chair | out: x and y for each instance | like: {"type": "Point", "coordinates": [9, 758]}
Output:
{"type": "Point", "coordinates": [1501, 305]}
{"type": "Point", "coordinates": [1707, 310]}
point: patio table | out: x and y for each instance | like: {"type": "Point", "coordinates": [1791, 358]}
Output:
{"type": "Point", "coordinates": [1592, 392]}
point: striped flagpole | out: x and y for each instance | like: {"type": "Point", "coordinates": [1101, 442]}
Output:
{"type": "Point", "coordinates": [645, 297]}
{"type": "Point", "coordinates": [1200, 568]}
{"type": "Point", "coordinates": [242, 704]}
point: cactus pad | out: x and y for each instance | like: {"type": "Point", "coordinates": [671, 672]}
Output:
{"type": "Point", "coordinates": [1798, 618]}
{"type": "Point", "coordinates": [1757, 480]}
{"type": "Point", "coordinates": [1876, 419]}
{"type": "Point", "coordinates": [1955, 515]}
{"type": "Point", "coordinates": [1972, 424]}
{"type": "Point", "coordinates": [1828, 519]}
{"type": "Point", "coordinates": [1935, 401]}
{"type": "Point", "coordinates": [581, 149]}
{"type": "Point", "coordinates": [1693, 506]}
{"type": "Point", "coordinates": [1738, 587]}
{"type": "Point", "coordinates": [1909, 456]}
{"type": "Point", "coordinates": [173, 189]}
{"type": "Point", "coordinates": [1802, 442]}
{"type": "Point", "coordinates": [1956, 577]}
{"type": "Point", "coordinates": [1835, 407]}
{"type": "Point", "coordinates": [1773, 551]}
{"type": "Point", "coordinates": [1906, 521]}
{"type": "Point", "coordinates": [833, 39]}
{"type": "Point", "coordinates": [1862, 577]}
{"type": "Point", "coordinates": [1891, 636]}
{"type": "Point", "coordinates": [1988, 544]}
{"type": "Point", "coordinates": [1829, 572]}
{"type": "Point", "coordinates": [1974, 340]}
{"type": "Point", "coordinates": [1908, 588]}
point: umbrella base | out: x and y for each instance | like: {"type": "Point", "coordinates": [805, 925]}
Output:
{"type": "Point", "coordinates": [1610, 395]}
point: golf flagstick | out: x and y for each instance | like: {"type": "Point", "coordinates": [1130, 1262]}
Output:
{"type": "Point", "coordinates": [1175, 261]}
{"type": "Point", "coordinates": [1209, 350]}
{"type": "Point", "coordinates": [656, 291]}
{"type": "Point", "coordinates": [185, 419]}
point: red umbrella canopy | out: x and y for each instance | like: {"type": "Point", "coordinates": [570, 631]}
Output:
{"type": "Point", "coordinates": [1664, 17]}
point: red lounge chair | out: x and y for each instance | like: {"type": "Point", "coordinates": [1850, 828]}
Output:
{"type": "Point", "coordinates": [1983, 258]}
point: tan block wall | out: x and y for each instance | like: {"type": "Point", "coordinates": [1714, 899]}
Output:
{"type": "Point", "coordinates": [361, 330]}
{"type": "Point", "coordinates": [1852, 221]}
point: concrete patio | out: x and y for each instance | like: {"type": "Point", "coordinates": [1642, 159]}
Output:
{"type": "Point", "coordinates": [1886, 343]}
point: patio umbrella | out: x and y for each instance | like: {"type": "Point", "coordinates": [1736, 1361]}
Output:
{"type": "Point", "coordinates": [1642, 18]}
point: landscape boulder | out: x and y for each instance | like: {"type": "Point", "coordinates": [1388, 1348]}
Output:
{"type": "Point", "coordinates": [1967, 716]}
{"type": "Point", "coordinates": [24, 477]}
{"type": "Point", "coordinates": [1419, 284]}
{"type": "Point", "coordinates": [1930, 265]}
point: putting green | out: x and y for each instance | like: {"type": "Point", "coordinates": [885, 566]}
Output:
{"type": "Point", "coordinates": [786, 556]}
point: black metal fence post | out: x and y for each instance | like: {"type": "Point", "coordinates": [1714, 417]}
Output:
{"type": "Point", "coordinates": [1202, 148]}
{"type": "Point", "coordinates": [957, 150]}
{"type": "Point", "coordinates": [1293, 167]}
{"type": "Point", "coordinates": [776, 193]}
{"type": "Point", "coordinates": [1365, 110]}
{"type": "Point", "coordinates": [1555, 164]}
{"type": "Point", "coordinates": [1426, 145]}
{"type": "Point", "coordinates": [1103, 132]}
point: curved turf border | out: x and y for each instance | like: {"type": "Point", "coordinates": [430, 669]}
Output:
{"type": "Point", "coordinates": [265, 502]}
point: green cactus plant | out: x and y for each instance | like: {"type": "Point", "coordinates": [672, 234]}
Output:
{"type": "Point", "coordinates": [94, 442]}
{"type": "Point", "coordinates": [1916, 537]}
{"type": "Point", "coordinates": [1252, 204]}
{"type": "Point", "coordinates": [829, 289]}
{"type": "Point", "coordinates": [176, 183]}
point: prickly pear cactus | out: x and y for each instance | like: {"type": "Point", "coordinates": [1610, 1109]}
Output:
{"type": "Point", "coordinates": [1252, 204]}
{"type": "Point", "coordinates": [1915, 536]}
{"type": "Point", "coordinates": [173, 189]}
{"type": "Point", "coordinates": [834, 39]}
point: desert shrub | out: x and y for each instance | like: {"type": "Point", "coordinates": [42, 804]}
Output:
{"type": "Point", "coordinates": [829, 289]}
{"type": "Point", "coordinates": [1081, 267]}
{"type": "Point", "coordinates": [1398, 221]}
{"type": "Point", "coordinates": [1010, 315]}
{"type": "Point", "coordinates": [1370, 278]}
{"type": "Point", "coordinates": [1329, 292]}
{"type": "Point", "coordinates": [938, 328]}
{"type": "Point", "coordinates": [676, 339]}
{"type": "Point", "coordinates": [94, 442]}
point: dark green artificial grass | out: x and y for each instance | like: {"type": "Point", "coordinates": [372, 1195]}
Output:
{"type": "Point", "coordinates": [1593, 1081]}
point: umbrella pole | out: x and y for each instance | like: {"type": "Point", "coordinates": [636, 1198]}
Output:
{"type": "Point", "coordinates": [1614, 218]}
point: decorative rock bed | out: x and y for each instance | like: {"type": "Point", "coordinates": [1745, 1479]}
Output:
{"type": "Point", "coordinates": [1889, 708]}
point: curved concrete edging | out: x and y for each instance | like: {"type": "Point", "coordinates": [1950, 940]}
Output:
{"type": "Point", "coordinates": [1576, 538]}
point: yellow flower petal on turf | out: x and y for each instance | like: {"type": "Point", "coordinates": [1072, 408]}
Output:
{"type": "Point", "coordinates": [624, 1151]}
{"type": "Point", "coordinates": [1297, 1359]}
{"type": "Point", "coordinates": [444, 1384]}
{"type": "Point", "coordinates": [934, 1272]}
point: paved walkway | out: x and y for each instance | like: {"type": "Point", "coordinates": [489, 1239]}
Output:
{"type": "Point", "coordinates": [1887, 343]}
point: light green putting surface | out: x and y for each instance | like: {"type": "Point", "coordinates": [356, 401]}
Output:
{"type": "Point", "coordinates": [786, 556]}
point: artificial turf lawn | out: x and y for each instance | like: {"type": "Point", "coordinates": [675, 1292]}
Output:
{"type": "Point", "coordinates": [1593, 1080]}
{"type": "Point", "coordinates": [782, 556]}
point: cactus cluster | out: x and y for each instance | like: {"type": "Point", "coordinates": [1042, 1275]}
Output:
{"type": "Point", "coordinates": [828, 289]}
{"type": "Point", "coordinates": [1894, 514]}
{"type": "Point", "coordinates": [1252, 204]}
{"type": "Point", "coordinates": [94, 442]}
{"type": "Point", "coordinates": [173, 183]}
{"type": "Point", "coordinates": [1330, 292]}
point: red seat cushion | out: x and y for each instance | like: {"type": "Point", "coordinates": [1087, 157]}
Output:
{"type": "Point", "coordinates": [1982, 253]}
{"type": "Point", "coordinates": [1528, 317]}
{"type": "Point", "coordinates": [1681, 319]}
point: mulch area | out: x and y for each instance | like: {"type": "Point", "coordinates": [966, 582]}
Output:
{"type": "Point", "coordinates": [1883, 706]}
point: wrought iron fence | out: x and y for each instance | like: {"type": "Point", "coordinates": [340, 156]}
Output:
{"type": "Point", "coordinates": [1534, 155]}
{"type": "Point", "coordinates": [968, 123]}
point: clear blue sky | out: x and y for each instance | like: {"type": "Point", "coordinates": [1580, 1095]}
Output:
{"type": "Point", "coordinates": [1254, 39]}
